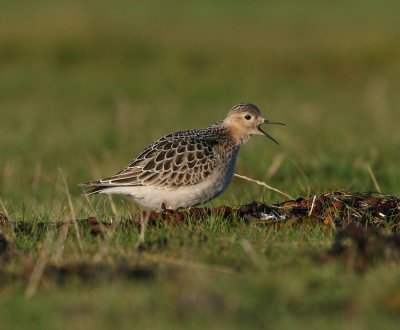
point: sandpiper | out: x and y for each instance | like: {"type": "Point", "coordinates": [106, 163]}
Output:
{"type": "Point", "coordinates": [186, 168]}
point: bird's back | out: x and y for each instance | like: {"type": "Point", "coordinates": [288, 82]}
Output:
{"type": "Point", "coordinates": [179, 159]}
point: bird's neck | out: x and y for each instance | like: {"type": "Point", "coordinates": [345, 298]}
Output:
{"type": "Point", "coordinates": [237, 134]}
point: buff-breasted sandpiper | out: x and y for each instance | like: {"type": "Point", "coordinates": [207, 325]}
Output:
{"type": "Point", "coordinates": [186, 168]}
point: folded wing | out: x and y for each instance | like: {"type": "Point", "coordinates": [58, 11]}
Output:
{"type": "Point", "coordinates": [175, 160]}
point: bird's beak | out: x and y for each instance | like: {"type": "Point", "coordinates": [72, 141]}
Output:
{"type": "Point", "coordinates": [266, 121]}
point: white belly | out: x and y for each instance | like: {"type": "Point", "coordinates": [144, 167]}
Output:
{"type": "Point", "coordinates": [153, 198]}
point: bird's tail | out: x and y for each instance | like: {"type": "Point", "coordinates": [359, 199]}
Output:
{"type": "Point", "coordinates": [92, 187]}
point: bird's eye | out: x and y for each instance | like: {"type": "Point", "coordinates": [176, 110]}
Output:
{"type": "Point", "coordinates": [247, 117]}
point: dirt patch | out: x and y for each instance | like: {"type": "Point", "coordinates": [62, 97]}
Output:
{"type": "Point", "coordinates": [336, 209]}
{"type": "Point", "coordinates": [89, 272]}
{"type": "Point", "coordinates": [3, 245]}
{"type": "Point", "coordinates": [360, 248]}
{"type": "Point", "coordinates": [332, 209]}
{"type": "Point", "coordinates": [19, 267]}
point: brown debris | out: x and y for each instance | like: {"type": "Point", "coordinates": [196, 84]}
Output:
{"type": "Point", "coordinates": [336, 209]}
{"type": "Point", "coordinates": [361, 248]}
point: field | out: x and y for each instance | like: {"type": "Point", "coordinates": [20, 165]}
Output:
{"type": "Point", "coordinates": [85, 86]}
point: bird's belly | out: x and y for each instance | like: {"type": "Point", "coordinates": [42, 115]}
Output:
{"type": "Point", "coordinates": [152, 197]}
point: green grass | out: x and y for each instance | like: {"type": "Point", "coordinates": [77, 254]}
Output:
{"type": "Point", "coordinates": [85, 86]}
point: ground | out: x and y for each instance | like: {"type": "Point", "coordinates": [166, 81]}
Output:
{"type": "Point", "coordinates": [85, 86]}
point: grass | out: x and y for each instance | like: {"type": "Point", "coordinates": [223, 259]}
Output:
{"type": "Point", "coordinates": [85, 86]}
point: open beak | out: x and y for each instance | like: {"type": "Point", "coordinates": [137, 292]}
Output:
{"type": "Point", "coordinates": [266, 121]}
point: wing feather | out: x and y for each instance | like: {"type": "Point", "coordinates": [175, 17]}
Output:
{"type": "Point", "coordinates": [175, 160]}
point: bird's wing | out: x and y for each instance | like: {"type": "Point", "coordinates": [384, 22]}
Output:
{"type": "Point", "coordinates": [175, 160]}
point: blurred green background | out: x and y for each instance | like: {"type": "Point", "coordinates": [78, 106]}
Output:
{"type": "Point", "coordinates": [85, 85]}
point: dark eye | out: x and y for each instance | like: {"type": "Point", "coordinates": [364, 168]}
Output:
{"type": "Point", "coordinates": [247, 117]}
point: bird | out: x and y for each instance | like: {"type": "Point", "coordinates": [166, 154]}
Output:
{"type": "Point", "coordinates": [186, 168]}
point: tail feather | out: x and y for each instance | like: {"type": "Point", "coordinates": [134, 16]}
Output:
{"type": "Point", "coordinates": [94, 190]}
{"type": "Point", "coordinates": [92, 187]}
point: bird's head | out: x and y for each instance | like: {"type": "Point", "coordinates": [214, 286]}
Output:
{"type": "Point", "coordinates": [245, 120]}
